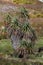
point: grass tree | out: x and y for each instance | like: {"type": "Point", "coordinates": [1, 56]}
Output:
{"type": "Point", "coordinates": [18, 32]}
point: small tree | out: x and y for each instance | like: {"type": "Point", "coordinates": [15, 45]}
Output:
{"type": "Point", "coordinates": [18, 31]}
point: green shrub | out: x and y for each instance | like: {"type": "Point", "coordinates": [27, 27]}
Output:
{"type": "Point", "coordinates": [6, 46]}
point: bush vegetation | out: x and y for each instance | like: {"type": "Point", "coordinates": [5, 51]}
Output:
{"type": "Point", "coordinates": [24, 1]}
{"type": "Point", "coordinates": [6, 47]}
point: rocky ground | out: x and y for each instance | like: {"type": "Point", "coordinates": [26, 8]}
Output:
{"type": "Point", "coordinates": [6, 7]}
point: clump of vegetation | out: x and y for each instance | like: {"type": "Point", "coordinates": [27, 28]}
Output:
{"type": "Point", "coordinates": [20, 31]}
{"type": "Point", "coordinates": [24, 1]}
{"type": "Point", "coordinates": [6, 47]}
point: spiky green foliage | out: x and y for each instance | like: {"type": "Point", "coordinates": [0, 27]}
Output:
{"type": "Point", "coordinates": [22, 28]}
{"type": "Point", "coordinates": [24, 12]}
{"type": "Point", "coordinates": [8, 18]}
